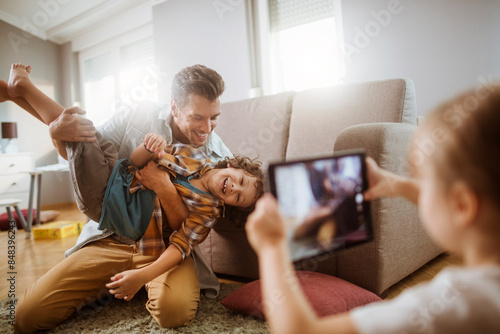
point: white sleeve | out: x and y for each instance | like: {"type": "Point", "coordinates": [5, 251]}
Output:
{"type": "Point", "coordinates": [451, 303]}
{"type": "Point", "coordinates": [393, 316]}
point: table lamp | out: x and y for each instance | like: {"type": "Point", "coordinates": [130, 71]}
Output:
{"type": "Point", "coordinates": [9, 132]}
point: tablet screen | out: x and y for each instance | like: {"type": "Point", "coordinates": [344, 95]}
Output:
{"type": "Point", "coordinates": [322, 202]}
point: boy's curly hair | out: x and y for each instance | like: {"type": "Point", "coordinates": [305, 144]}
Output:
{"type": "Point", "coordinates": [250, 166]}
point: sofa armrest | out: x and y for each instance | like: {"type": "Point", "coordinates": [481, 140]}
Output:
{"type": "Point", "coordinates": [386, 143]}
{"type": "Point", "coordinates": [400, 244]}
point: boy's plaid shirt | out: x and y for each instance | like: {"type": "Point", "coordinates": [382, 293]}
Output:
{"type": "Point", "coordinates": [203, 209]}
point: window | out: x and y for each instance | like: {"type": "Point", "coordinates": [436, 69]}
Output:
{"type": "Point", "coordinates": [306, 44]}
{"type": "Point", "coordinates": [99, 88]}
{"type": "Point", "coordinates": [117, 77]}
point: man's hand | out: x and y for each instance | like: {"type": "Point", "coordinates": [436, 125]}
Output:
{"type": "Point", "coordinates": [159, 181]}
{"type": "Point", "coordinates": [70, 127]}
{"type": "Point", "coordinates": [265, 226]}
{"type": "Point", "coordinates": [126, 284]}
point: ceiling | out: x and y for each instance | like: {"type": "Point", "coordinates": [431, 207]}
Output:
{"type": "Point", "coordinates": [61, 21]}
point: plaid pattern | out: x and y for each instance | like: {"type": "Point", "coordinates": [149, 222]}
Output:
{"type": "Point", "coordinates": [203, 209]}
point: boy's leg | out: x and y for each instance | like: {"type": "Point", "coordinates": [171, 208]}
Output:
{"type": "Point", "coordinates": [20, 86]}
{"type": "Point", "coordinates": [174, 296]}
{"type": "Point", "coordinates": [4, 96]}
{"type": "Point", "coordinates": [76, 281]}
{"type": "Point", "coordinates": [21, 90]}
{"type": "Point", "coordinates": [90, 167]}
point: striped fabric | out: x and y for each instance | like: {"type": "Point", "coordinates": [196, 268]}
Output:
{"type": "Point", "coordinates": [203, 209]}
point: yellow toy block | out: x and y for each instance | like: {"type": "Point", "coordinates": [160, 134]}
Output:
{"type": "Point", "coordinates": [58, 229]}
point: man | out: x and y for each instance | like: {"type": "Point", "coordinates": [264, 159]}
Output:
{"type": "Point", "coordinates": [174, 295]}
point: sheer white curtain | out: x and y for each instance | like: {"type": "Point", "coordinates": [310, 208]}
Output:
{"type": "Point", "coordinates": [306, 43]}
{"type": "Point", "coordinates": [117, 78]}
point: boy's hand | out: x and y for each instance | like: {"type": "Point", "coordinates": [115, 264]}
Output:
{"type": "Point", "coordinates": [126, 284]}
{"type": "Point", "coordinates": [155, 143]}
{"type": "Point", "coordinates": [265, 226]}
{"type": "Point", "coordinates": [382, 183]}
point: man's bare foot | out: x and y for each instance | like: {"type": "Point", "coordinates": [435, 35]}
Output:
{"type": "Point", "coordinates": [19, 77]}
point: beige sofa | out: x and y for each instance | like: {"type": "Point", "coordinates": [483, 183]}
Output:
{"type": "Point", "coordinates": [377, 116]}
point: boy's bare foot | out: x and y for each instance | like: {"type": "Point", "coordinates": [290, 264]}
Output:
{"type": "Point", "coordinates": [19, 77]}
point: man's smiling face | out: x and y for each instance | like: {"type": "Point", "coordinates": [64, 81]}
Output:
{"type": "Point", "coordinates": [195, 121]}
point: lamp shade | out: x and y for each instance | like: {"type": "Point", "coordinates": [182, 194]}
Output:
{"type": "Point", "coordinates": [9, 130]}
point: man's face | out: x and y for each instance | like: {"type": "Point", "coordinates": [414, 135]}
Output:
{"type": "Point", "coordinates": [194, 122]}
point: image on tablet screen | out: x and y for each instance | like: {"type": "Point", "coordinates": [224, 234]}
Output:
{"type": "Point", "coordinates": [323, 205]}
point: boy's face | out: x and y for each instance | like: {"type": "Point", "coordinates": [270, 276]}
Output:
{"type": "Point", "coordinates": [193, 123]}
{"type": "Point", "coordinates": [234, 187]}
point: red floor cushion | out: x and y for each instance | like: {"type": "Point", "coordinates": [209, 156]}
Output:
{"type": "Point", "coordinates": [45, 216]}
{"type": "Point", "coordinates": [327, 294]}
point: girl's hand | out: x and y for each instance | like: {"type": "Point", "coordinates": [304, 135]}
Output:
{"type": "Point", "coordinates": [155, 143]}
{"type": "Point", "coordinates": [265, 226]}
{"type": "Point", "coordinates": [382, 183]}
{"type": "Point", "coordinates": [126, 284]}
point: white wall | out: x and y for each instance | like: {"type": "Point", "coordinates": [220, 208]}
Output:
{"type": "Point", "coordinates": [444, 45]}
{"type": "Point", "coordinates": [33, 135]}
{"type": "Point", "coordinates": [212, 33]}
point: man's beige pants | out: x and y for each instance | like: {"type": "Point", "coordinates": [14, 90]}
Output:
{"type": "Point", "coordinates": [80, 279]}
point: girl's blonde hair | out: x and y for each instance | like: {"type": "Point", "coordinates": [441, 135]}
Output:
{"type": "Point", "coordinates": [464, 141]}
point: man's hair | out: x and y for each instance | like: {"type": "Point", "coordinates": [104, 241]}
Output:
{"type": "Point", "coordinates": [465, 139]}
{"type": "Point", "coordinates": [199, 80]}
{"type": "Point", "coordinates": [250, 166]}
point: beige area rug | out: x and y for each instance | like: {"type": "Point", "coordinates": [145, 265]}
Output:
{"type": "Point", "coordinates": [123, 317]}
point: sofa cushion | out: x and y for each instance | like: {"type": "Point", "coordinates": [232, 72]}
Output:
{"type": "Point", "coordinates": [327, 294]}
{"type": "Point", "coordinates": [319, 115]}
{"type": "Point", "coordinates": [257, 127]}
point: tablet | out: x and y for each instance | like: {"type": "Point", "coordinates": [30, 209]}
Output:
{"type": "Point", "coordinates": [322, 202]}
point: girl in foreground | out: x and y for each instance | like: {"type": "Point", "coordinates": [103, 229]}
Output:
{"type": "Point", "coordinates": [456, 186]}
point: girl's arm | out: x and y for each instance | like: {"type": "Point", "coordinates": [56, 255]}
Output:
{"type": "Point", "coordinates": [386, 184]}
{"type": "Point", "coordinates": [153, 143]}
{"type": "Point", "coordinates": [285, 306]}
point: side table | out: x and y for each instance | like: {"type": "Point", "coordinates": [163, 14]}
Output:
{"type": "Point", "coordinates": [36, 178]}
{"type": "Point", "coordinates": [8, 203]}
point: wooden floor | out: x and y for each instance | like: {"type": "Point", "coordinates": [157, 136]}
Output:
{"type": "Point", "coordinates": [35, 257]}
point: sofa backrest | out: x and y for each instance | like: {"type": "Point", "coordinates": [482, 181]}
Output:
{"type": "Point", "coordinates": [319, 115]}
{"type": "Point", "coordinates": [257, 127]}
